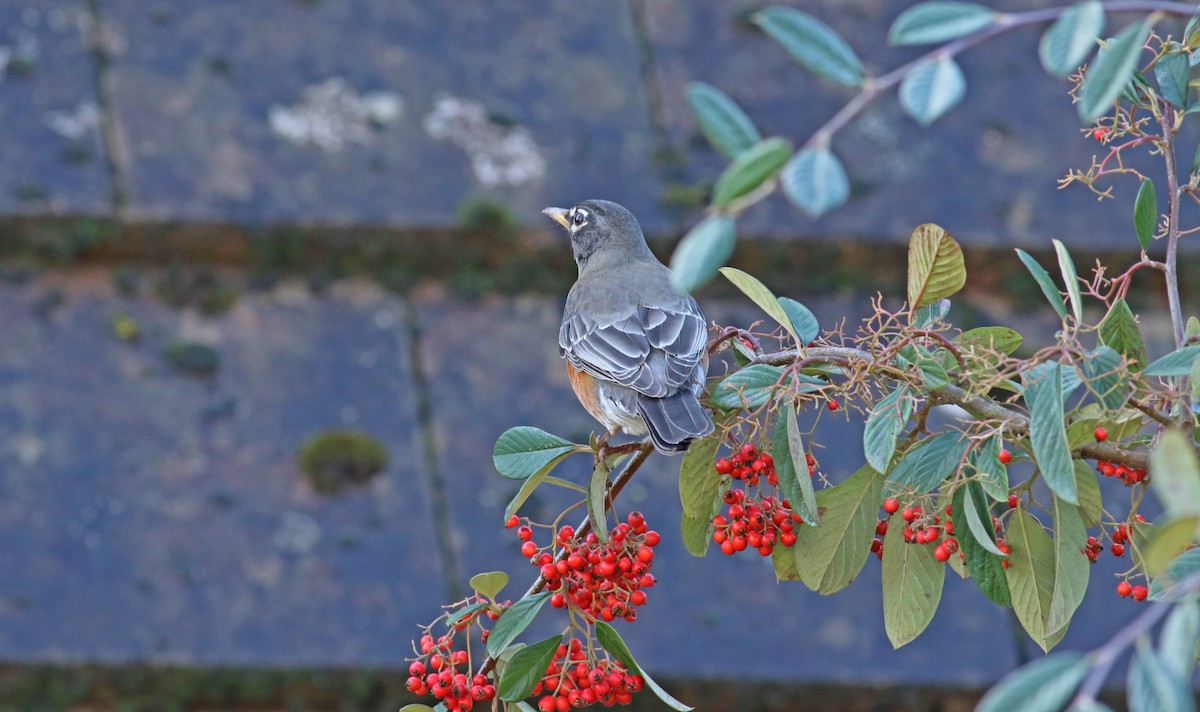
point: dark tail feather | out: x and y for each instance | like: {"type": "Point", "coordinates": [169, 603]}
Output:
{"type": "Point", "coordinates": [674, 421]}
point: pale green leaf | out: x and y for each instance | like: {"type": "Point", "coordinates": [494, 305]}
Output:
{"type": "Point", "coordinates": [912, 585]}
{"type": "Point", "coordinates": [812, 43]}
{"type": "Point", "coordinates": [1070, 278]}
{"type": "Point", "coordinates": [931, 89]}
{"type": "Point", "coordinates": [723, 122]}
{"type": "Point", "coordinates": [760, 295]}
{"type": "Point", "coordinates": [1044, 685]}
{"type": "Point", "coordinates": [993, 475]}
{"type": "Point", "coordinates": [1042, 277]}
{"type": "Point", "coordinates": [1181, 567]}
{"type": "Point", "coordinates": [701, 252]}
{"type": "Point", "coordinates": [1030, 575]}
{"type": "Point", "coordinates": [489, 584]}
{"type": "Point", "coordinates": [815, 181]}
{"type": "Point", "coordinates": [1072, 37]}
{"type": "Point", "coordinates": [597, 494]}
{"type": "Point", "coordinates": [1152, 687]}
{"type": "Point", "coordinates": [934, 22]}
{"type": "Point", "coordinates": [884, 425]}
{"type": "Point", "coordinates": [1145, 213]}
{"type": "Point", "coordinates": [1105, 377]}
{"type": "Point", "coordinates": [1112, 70]}
{"type": "Point", "coordinates": [532, 483]}
{"type": "Point", "coordinates": [799, 491]}
{"type": "Point", "coordinates": [1165, 542]}
{"type": "Point", "coordinates": [753, 167]}
{"type": "Point", "coordinates": [522, 451]}
{"type": "Point", "coordinates": [1047, 434]}
{"type": "Point", "coordinates": [1177, 643]}
{"type": "Point", "coordinates": [1071, 569]}
{"type": "Point", "coordinates": [1175, 474]}
{"type": "Point", "coordinates": [1087, 488]}
{"type": "Point", "coordinates": [1176, 363]}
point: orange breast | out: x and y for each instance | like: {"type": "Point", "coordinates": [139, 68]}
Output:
{"type": "Point", "coordinates": [585, 389]}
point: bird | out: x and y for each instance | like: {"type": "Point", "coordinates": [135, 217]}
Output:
{"type": "Point", "coordinates": [635, 348]}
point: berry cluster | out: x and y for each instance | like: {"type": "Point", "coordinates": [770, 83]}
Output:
{"type": "Point", "coordinates": [602, 580]}
{"type": "Point", "coordinates": [576, 677]}
{"type": "Point", "coordinates": [443, 671]}
{"type": "Point", "coordinates": [1126, 590]}
{"type": "Point", "coordinates": [752, 519]}
{"type": "Point", "coordinates": [920, 528]}
{"type": "Point", "coordinates": [1127, 475]}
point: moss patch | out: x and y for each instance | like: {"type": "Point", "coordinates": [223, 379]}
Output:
{"type": "Point", "coordinates": [336, 459]}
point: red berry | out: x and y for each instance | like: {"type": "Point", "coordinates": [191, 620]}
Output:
{"type": "Point", "coordinates": [1117, 549]}
{"type": "Point", "coordinates": [1005, 457]}
{"type": "Point", "coordinates": [832, 404]}
{"type": "Point", "coordinates": [528, 549]}
{"type": "Point", "coordinates": [1101, 435]}
{"type": "Point", "coordinates": [1140, 593]}
{"type": "Point", "coordinates": [749, 452]}
{"type": "Point", "coordinates": [890, 505]}
{"type": "Point", "coordinates": [941, 553]}
{"type": "Point", "coordinates": [1100, 133]}
{"type": "Point", "coordinates": [723, 466]}
{"type": "Point", "coordinates": [1124, 589]}
{"type": "Point", "coordinates": [908, 514]}
{"type": "Point", "coordinates": [512, 522]}
{"type": "Point", "coordinates": [524, 534]}
{"type": "Point", "coordinates": [547, 704]}
{"type": "Point", "coordinates": [1012, 501]}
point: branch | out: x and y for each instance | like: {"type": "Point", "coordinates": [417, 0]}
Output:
{"type": "Point", "coordinates": [1014, 422]}
{"type": "Point", "coordinates": [1169, 272]}
{"type": "Point", "coordinates": [644, 449]}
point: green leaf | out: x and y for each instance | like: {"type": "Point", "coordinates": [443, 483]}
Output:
{"type": "Point", "coordinates": [1171, 73]}
{"type": "Point", "coordinates": [597, 493]}
{"type": "Point", "coordinates": [815, 181]}
{"type": "Point", "coordinates": [1044, 685]}
{"type": "Point", "coordinates": [1105, 377]}
{"type": "Point", "coordinates": [1165, 542]}
{"type": "Point", "coordinates": [721, 120]}
{"type": "Point", "coordinates": [750, 387]}
{"type": "Point", "coordinates": [912, 585]}
{"type": "Point", "coordinates": [701, 252]}
{"type": "Point", "coordinates": [927, 463]}
{"type": "Point", "coordinates": [993, 475]}
{"type": "Point", "coordinates": [935, 266]}
{"type": "Point", "coordinates": [783, 560]}
{"type": "Point", "coordinates": [750, 169]}
{"type": "Point", "coordinates": [931, 89]}
{"type": "Point", "coordinates": [1072, 37]}
{"type": "Point", "coordinates": [1145, 213]}
{"type": "Point", "coordinates": [1111, 71]}
{"type": "Point", "coordinates": [830, 556]}
{"type": "Point", "coordinates": [489, 584]}
{"type": "Point", "coordinates": [989, 338]}
{"type": "Point", "coordinates": [514, 621]}
{"type": "Point", "coordinates": [1177, 642]}
{"type": "Point", "coordinates": [521, 452]}
{"type": "Point", "coordinates": [934, 22]}
{"type": "Point", "coordinates": [1175, 474]}
{"type": "Point", "coordinates": [1120, 331]}
{"type": "Point", "coordinates": [464, 613]}
{"type": "Point", "coordinates": [986, 569]}
{"type": "Point", "coordinates": [532, 483]}
{"type": "Point", "coordinates": [1152, 687]}
{"type": "Point", "coordinates": [1047, 433]}
{"type": "Point", "coordinates": [926, 315]}
{"type": "Point", "coordinates": [1176, 363]}
{"type": "Point", "coordinates": [1042, 277]}
{"type": "Point", "coordinates": [1071, 569]}
{"type": "Point", "coordinates": [803, 324]}
{"type": "Point", "coordinates": [760, 295]}
{"type": "Point", "coordinates": [812, 43]}
{"type": "Point", "coordinates": [1087, 487]}
{"type": "Point", "coordinates": [526, 669]}
{"type": "Point", "coordinates": [1181, 567]}
{"type": "Point", "coordinates": [884, 425]}
{"type": "Point", "coordinates": [611, 641]}
{"type": "Point", "coordinates": [978, 518]}
{"type": "Point", "coordinates": [791, 467]}
{"type": "Point", "coordinates": [1031, 575]}
{"type": "Point", "coordinates": [415, 707]}
{"type": "Point", "coordinates": [1070, 279]}
{"type": "Point", "coordinates": [699, 483]}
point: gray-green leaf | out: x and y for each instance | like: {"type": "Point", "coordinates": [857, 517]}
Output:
{"type": "Point", "coordinates": [1145, 213]}
{"type": "Point", "coordinates": [812, 43]}
{"type": "Point", "coordinates": [522, 451]}
{"type": "Point", "coordinates": [931, 89]}
{"type": "Point", "coordinates": [884, 425]}
{"type": "Point", "coordinates": [1042, 277]}
{"type": "Point", "coordinates": [752, 167]}
{"type": "Point", "coordinates": [702, 252]}
{"type": "Point", "coordinates": [1171, 73]}
{"type": "Point", "coordinates": [814, 181]}
{"type": "Point", "coordinates": [933, 22]}
{"type": "Point", "coordinates": [1043, 685]}
{"type": "Point", "coordinates": [1111, 71]}
{"type": "Point", "coordinates": [1071, 38]}
{"type": "Point", "coordinates": [1176, 363]}
{"type": "Point", "coordinates": [1047, 433]}
{"type": "Point", "coordinates": [721, 120]}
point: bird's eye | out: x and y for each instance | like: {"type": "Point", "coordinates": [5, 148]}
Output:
{"type": "Point", "coordinates": [580, 218]}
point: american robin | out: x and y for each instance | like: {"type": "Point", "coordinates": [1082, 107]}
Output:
{"type": "Point", "coordinates": [634, 346]}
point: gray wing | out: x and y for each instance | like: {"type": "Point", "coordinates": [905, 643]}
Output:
{"type": "Point", "coordinates": [654, 351]}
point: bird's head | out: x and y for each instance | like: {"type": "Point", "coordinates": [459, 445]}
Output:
{"type": "Point", "coordinates": [602, 230]}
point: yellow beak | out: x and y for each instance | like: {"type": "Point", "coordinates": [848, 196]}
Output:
{"type": "Point", "coordinates": [559, 215]}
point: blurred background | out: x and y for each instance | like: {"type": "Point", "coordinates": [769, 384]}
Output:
{"type": "Point", "coordinates": [273, 277]}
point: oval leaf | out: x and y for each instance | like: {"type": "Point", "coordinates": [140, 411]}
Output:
{"type": "Point", "coordinates": [532, 483]}
{"type": "Point", "coordinates": [789, 446]}
{"type": "Point", "coordinates": [1071, 38]}
{"type": "Point", "coordinates": [526, 669]}
{"type": "Point", "coordinates": [1145, 213]}
{"type": "Point", "coordinates": [1047, 433]}
{"type": "Point", "coordinates": [611, 641]}
{"type": "Point", "coordinates": [1175, 475]}
{"type": "Point", "coordinates": [1105, 378]}
{"type": "Point", "coordinates": [489, 584]}
{"type": "Point", "coordinates": [762, 296]}
{"type": "Point", "coordinates": [721, 120]}
{"type": "Point", "coordinates": [522, 451]}
{"type": "Point", "coordinates": [514, 621]}
{"type": "Point", "coordinates": [812, 43]}
{"type": "Point", "coordinates": [931, 89]}
{"type": "Point", "coordinates": [986, 569]}
{"type": "Point", "coordinates": [1044, 685]}
{"type": "Point", "coordinates": [701, 253]}
{"type": "Point", "coordinates": [935, 266]}
{"type": "Point", "coordinates": [929, 462]}
{"type": "Point", "coordinates": [1120, 331]}
{"type": "Point", "coordinates": [1070, 278]}
{"type": "Point", "coordinates": [884, 425]}
{"type": "Point", "coordinates": [993, 475]}
{"type": "Point", "coordinates": [1112, 70]}
{"type": "Point", "coordinates": [1152, 687]}
{"type": "Point", "coordinates": [803, 323]}
{"type": "Point", "coordinates": [748, 388]}
{"type": "Point", "coordinates": [751, 169]}
{"type": "Point", "coordinates": [829, 557]}
{"type": "Point", "coordinates": [597, 492]}
{"type": "Point", "coordinates": [1176, 363]}
{"type": "Point", "coordinates": [1030, 575]}
{"type": "Point", "coordinates": [1171, 73]}
{"type": "Point", "coordinates": [933, 22]}
{"type": "Point", "coordinates": [912, 585]}
{"type": "Point", "coordinates": [1071, 570]}
{"type": "Point", "coordinates": [814, 181]}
